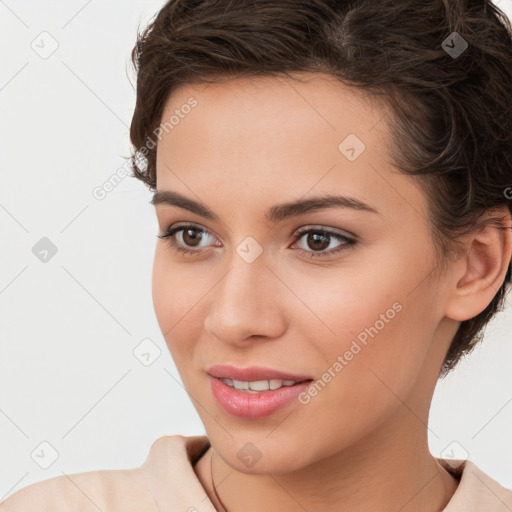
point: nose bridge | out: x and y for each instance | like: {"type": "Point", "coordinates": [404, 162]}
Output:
{"type": "Point", "coordinates": [242, 303]}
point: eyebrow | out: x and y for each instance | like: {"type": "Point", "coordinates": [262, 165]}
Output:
{"type": "Point", "coordinates": [275, 214]}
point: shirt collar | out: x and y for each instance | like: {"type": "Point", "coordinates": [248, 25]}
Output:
{"type": "Point", "coordinates": [169, 473]}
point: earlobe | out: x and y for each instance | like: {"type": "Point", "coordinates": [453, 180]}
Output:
{"type": "Point", "coordinates": [483, 267]}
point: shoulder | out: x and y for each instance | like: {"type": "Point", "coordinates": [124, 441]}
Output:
{"type": "Point", "coordinates": [477, 490]}
{"type": "Point", "coordinates": [157, 483]}
{"type": "Point", "coordinates": [488, 492]}
{"type": "Point", "coordinates": [106, 490]}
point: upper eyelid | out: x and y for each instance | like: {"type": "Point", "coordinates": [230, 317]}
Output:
{"type": "Point", "coordinates": [297, 233]}
{"type": "Point", "coordinates": [322, 227]}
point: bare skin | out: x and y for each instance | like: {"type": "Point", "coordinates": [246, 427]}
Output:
{"type": "Point", "coordinates": [361, 443]}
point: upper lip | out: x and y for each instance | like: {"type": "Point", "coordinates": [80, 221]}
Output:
{"type": "Point", "coordinates": [253, 373]}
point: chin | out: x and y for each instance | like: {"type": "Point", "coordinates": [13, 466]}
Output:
{"type": "Point", "coordinates": [259, 454]}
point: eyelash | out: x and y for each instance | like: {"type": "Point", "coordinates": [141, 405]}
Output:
{"type": "Point", "coordinates": [169, 234]}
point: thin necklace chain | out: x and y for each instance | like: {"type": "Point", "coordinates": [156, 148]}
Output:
{"type": "Point", "coordinates": [213, 485]}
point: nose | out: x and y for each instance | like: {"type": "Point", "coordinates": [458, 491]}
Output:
{"type": "Point", "coordinates": [246, 304]}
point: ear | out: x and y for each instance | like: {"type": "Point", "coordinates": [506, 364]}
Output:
{"type": "Point", "coordinates": [480, 271]}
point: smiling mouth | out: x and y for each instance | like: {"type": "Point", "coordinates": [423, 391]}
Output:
{"type": "Point", "coordinates": [259, 386]}
{"type": "Point", "coordinates": [256, 399]}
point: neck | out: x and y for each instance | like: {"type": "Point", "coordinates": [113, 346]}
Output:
{"type": "Point", "coordinates": [394, 464]}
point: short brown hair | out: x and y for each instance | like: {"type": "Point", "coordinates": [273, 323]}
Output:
{"type": "Point", "coordinates": [451, 114]}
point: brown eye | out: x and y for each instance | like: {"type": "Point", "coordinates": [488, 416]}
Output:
{"type": "Point", "coordinates": [187, 239]}
{"type": "Point", "coordinates": [192, 237]}
{"type": "Point", "coordinates": [316, 241]}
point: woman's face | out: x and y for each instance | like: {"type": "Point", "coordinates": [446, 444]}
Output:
{"type": "Point", "coordinates": [363, 320]}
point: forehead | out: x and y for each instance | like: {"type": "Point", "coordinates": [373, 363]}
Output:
{"type": "Point", "coordinates": [267, 133]}
{"type": "Point", "coordinates": [267, 103]}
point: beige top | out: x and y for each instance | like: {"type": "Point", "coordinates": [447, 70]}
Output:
{"type": "Point", "coordinates": [166, 482]}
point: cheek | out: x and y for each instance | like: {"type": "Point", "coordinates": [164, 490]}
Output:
{"type": "Point", "coordinates": [179, 294]}
{"type": "Point", "coordinates": [174, 289]}
{"type": "Point", "coordinates": [168, 294]}
{"type": "Point", "coordinates": [376, 315]}
{"type": "Point", "coordinates": [365, 371]}
{"type": "Point", "coordinates": [163, 283]}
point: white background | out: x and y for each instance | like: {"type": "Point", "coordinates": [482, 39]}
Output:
{"type": "Point", "coordinates": [69, 326]}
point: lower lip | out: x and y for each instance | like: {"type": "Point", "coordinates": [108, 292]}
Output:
{"type": "Point", "coordinates": [254, 405]}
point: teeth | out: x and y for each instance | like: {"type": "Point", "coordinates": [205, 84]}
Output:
{"type": "Point", "coordinates": [257, 385]}
{"type": "Point", "coordinates": [240, 384]}
{"type": "Point", "coordinates": [275, 383]}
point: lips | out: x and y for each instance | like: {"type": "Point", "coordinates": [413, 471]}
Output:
{"type": "Point", "coordinates": [253, 373]}
{"type": "Point", "coordinates": [259, 405]}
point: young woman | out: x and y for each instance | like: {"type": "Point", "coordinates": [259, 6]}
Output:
{"type": "Point", "coordinates": [333, 184]}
